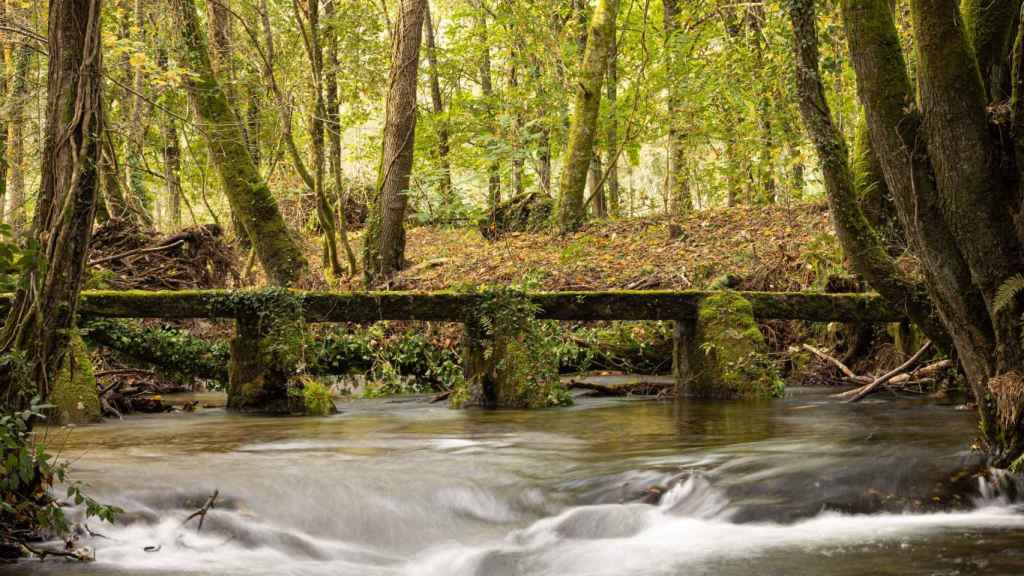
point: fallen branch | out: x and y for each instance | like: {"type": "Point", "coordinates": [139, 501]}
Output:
{"type": "Point", "coordinates": [842, 367]}
{"type": "Point", "coordinates": [441, 397]}
{"type": "Point", "coordinates": [865, 390]}
{"type": "Point", "coordinates": [644, 388]}
{"type": "Point", "coordinates": [201, 513]}
{"type": "Point", "coordinates": [83, 554]}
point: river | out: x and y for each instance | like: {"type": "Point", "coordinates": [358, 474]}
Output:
{"type": "Point", "coordinates": [791, 487]}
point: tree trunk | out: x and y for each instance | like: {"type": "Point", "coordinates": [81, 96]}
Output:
{"type": "Point", "coordinates": [172, 172]}
{"type": "Point", "coordinates": [583, 130]}
{"type": "Point", "coordinates": [384, 244]}
{"type": "Point", "coordinates": [487, 89]}
{"type": "Point", "coordinates": [324, 210]}
{"type": "Point", "coordinates": [42, 315]}
{"type": "Point", "coordinates": [613, 126]}
{"type": "Point", "coordinates": [136, 140]}
{"type": "Point", "coordinates": [334, 135]}
{"type": "Point", "coordinates": [247, 192]}
{"type": "Point", "coordinates": [679, 195]}
{"type": "Point", "coordinates": [16, 140]}
{"type": "Point", "coordinates": [444, 186]}
{"type": "Point", "coordinates": [596, 187]}
{"type": "Point", "coordinates": [947, 173]}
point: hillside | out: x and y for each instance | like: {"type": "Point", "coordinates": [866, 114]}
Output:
{"type": "Point", "coordinates": [770, 248]}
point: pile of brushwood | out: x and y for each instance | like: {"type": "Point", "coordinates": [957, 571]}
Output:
{"type": "Point", "coordinates": [128, 256]}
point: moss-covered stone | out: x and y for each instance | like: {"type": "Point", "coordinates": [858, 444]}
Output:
{"type": "Point", "coordinates": [727, 353]}
{"type": "Point", "coordinates": [75, 397]}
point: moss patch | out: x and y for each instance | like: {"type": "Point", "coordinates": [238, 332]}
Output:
{"type": "Point", "coordinates": [75, 397]}
{"type": "Point", "coordinates": [728, 358]}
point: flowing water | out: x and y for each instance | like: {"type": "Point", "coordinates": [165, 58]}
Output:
{"type": "Point", "coordinates": [799, 486]}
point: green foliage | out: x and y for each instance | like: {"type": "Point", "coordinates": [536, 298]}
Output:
{"type": "Point", "coordinates": [1007, 292]}
{"type": "Point", "coordinates": [523, 351]}
{"type": "Point", "coordinates": [316, 398]}
{"type": "Point", "coordinates": [175, 352]}
{"type": "Point", "coordinates": [28, 475]}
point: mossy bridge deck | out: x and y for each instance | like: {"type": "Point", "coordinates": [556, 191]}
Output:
{"type": "Point", "coordinates": [457, 306]}
{"type": "Point", "coordinates": [257, 382]}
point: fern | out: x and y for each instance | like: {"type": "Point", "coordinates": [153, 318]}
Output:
{"type": "Point", "coordinates": [1007, 291]}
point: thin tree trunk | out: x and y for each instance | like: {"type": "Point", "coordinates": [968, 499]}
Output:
{"type": "Point", "coordinates": [247, 192]}
{"type": "Point", "coordinates": [583, 130]}
{"type": "Point", "coordinates": [6, 62]}
{"type": "Point", "coordinates": [42, 315]}
{"type": "Point", "coordinates": [597, 187]}
{"type": "Point", "coordinates": [444, 187]}
{"type": "Point", "coordinates": [384, 245]}
{"type": "Point", "coordinates": [613, 127]}
{"type": "Point", "coordinates": [487, 89]}
{"type": "Point", "coordinates": [15, 113]}
{"type": "Point", "coordinates": [135, 143]}
{"type": "Point", "coordinates": [334, 135]}
{"type": "Point", "coordinates": [324, 211]}
{"type": "Point", "coordinates": [679, 198]}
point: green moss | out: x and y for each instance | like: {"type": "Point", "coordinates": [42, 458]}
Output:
{"type": "Point", "coordinates": [729, 357]}
{"type": "Point", "coordinates": [75, 397]}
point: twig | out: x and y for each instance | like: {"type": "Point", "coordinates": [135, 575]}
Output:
{"type": "Point", "coordinates": [80, 554]}
{"type": "Point", "coordinates": [201, 513]}
{"type": "Point", "coordinates": [862, 392]}
{"type": "Point", "coordinates": [842, 367]}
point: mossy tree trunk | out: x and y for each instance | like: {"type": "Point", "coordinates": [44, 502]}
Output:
{"type": "Point", "coordinates": [587, 106]}
{"type": "Point", "coordinates": [37, 328]}
{"type": "Point", "coordinates": [947, 174]}
{"type": "Point", "coordinates": [247, 192]}
{"type": "Point", "coordinates": [384, 244]}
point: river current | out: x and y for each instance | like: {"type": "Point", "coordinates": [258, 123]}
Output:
{"type": "Point", "coordinates": [607, 487]}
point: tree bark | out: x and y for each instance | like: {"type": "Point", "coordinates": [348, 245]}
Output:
{"type": "Point", "coordinates": [247, 192]}
{"type": "Point", "coordinates": [384, 244]}
{"type": "Point", "coordinates": [612, 127]}
{"type": "Point", "coordinates": [136, 140]}
{"type": "Point", "coordinates": [583, 129]}
{"type": "Point", "coordinates": [38, 325]}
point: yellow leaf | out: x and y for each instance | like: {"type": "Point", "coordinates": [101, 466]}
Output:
{"type": "Point", "coordinates": [138, 60]}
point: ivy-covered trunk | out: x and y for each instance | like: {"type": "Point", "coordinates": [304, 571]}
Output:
{"type": "Point", "coordinates": [384, 244]}
{"type": "Point", "coordinates": [583, 129]}
{"type": "Point", "coordinates": [34, 338]}
{"type": "Point", "coordinates": [951, 179]}
{"type": "Point", "coordinates": [247, 192]}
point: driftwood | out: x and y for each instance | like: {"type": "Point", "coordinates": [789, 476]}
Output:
{"type": "Point", "coordinates": [201, 513]}
{"type": "Point", "coordinates": [859, 393]}
{"type": "Point", "coordinates": [641, 388]}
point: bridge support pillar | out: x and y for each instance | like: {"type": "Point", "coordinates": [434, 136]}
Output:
{"type": "Point", "coordinates": [254, 384]}
{"type": "Point", "coordinates": [480, 358]}
{"type": "Point", "coordinates": [683, 341]}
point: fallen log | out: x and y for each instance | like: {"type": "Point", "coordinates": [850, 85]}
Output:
{"type": "Point", "coordinates": [641, 388]}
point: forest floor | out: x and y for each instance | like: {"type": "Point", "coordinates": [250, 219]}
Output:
{"type": "Point", "coordinates": [775, 248]}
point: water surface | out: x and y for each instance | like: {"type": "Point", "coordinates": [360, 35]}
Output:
{"type": "Point", "coordinates": [800, 486]}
